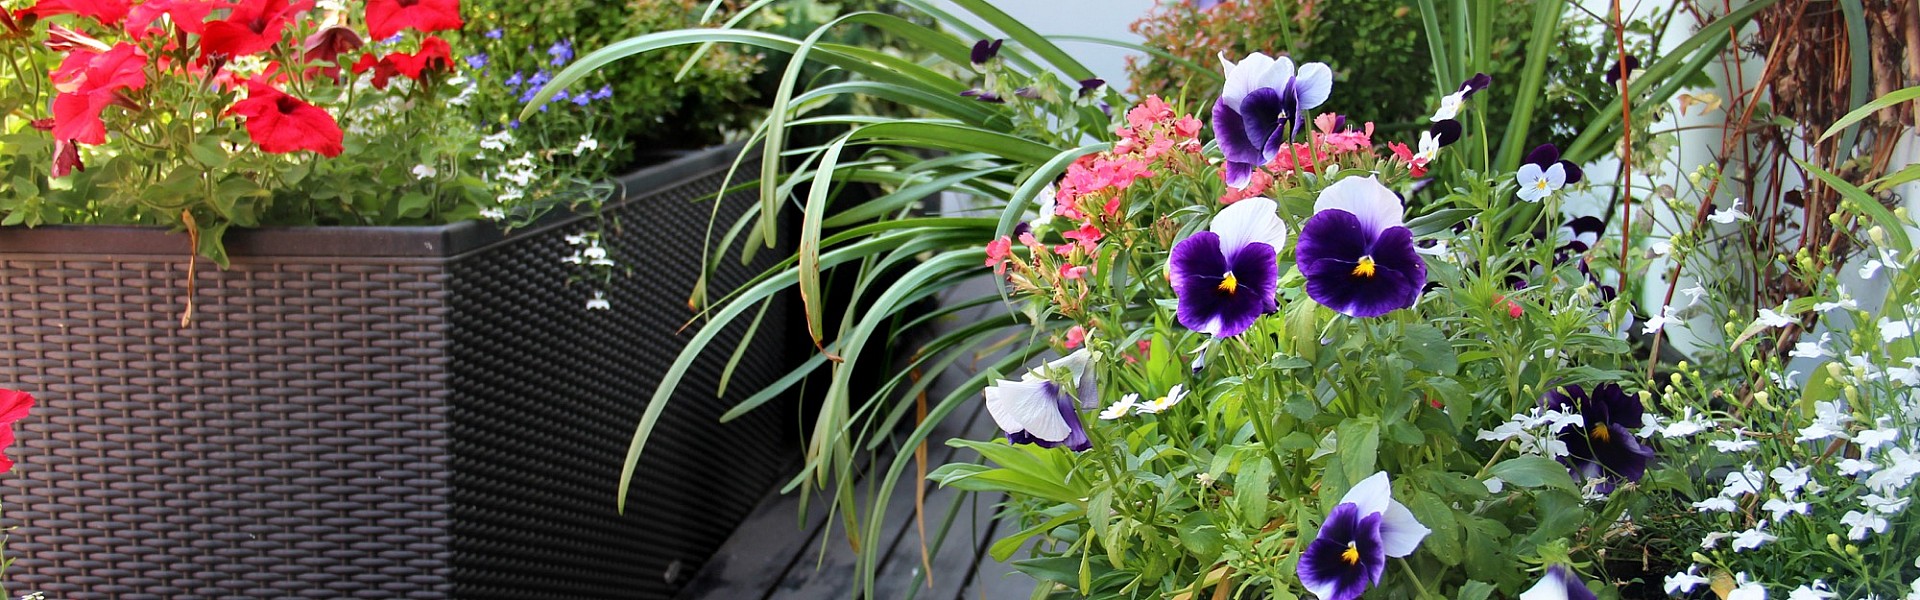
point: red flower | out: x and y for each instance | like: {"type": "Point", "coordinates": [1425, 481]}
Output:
{"type": "Point", "coordinates": [87, 83]}
{"type": "Point", "coordinates": [434, 55]}
{"type": "Point", "coordinates": [107, 12]}
{"type": "Point", "coordinates": [13, 408]}
{"type": "Point", "coordinates": [383, 69]}
{"type": "Point", "coordinates": [251, 28]}
{"type": "Point", "coordinates": [388, 17]}
{"type": "Point", "coordinates": [187, 15]}
{"type": "Point", "coordinates": [280, 123]}
{"type": "Point", "coordinates": [327, 44]}
{"type": "Point", "coordinates": [66, 160]}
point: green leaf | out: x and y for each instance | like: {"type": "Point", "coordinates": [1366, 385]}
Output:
{"type": "Point", "coordinates": [1359, 447]}
{"type": "Point", "coordinates": [1878, 104]}
{"type": "Point", "coordinates": [1004, 548]}
{"type": "Point", "coordinates": [1200, 536]}
{"type": "Point", "coordinates": [1250, 488]}
{"type": "Point", "coordinates": [413, 205]}
{"type": "Point", "coordinates": [208, 152]}
{"type": "Point", "coordinates": [1477, 590]}
{"type": "Point", "coordinates": [1058, 569]}
{"type": "Point", "coordinates": [1444, 541]}
{"type": "Point", "coordinates": [1865, 203]}
{"type": "Point", "coordinates": [1430, 350]}
{"type": "Point", "coordinates": [1533, 472]}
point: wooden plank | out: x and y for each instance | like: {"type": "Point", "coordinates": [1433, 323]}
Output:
{"type": "Point", "coordinates": [761, 551]}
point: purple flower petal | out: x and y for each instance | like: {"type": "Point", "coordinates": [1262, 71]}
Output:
{"type": "Point", "coordinates": [1264, 115]}
{"type": "Point", "coordinates": [1354, 275]}
{"type": "Point", "coordinates": [1479, 81]}
{"type": "Point", "coordinates": [1605, 448]}
{"type": "Point", "coordinates": [1218, 294]}
{"type": "Point", "coordinates": [1543, 155]}
{"type": "Point", "coordinates": [1558, 584]}
{"type": "Point", "coordinates": [1346, 557]}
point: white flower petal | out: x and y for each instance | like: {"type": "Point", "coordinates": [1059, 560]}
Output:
{"type": "Point", "coordinates": [1376, 206]}
{"type": "Point", "coordinates": [1248, 221]}
{"type": "Point", "coordinates": [1400, 533]}
{"type": "Point", "coordinates": [1371, 495]}
{"type": "Point", "coordinates": [1025, 406]}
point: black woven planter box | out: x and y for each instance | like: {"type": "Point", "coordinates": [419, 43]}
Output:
{"type": "Point", "coordinates": [376, 412]}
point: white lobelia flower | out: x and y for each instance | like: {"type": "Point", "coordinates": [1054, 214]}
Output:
{"type": "Point", "coordinates": [1728, 215]}
{"type": "Point", "coordinates": [1844, 302]}
{"type": "Point", "coordinates": [1121, 408]}
{"type": "Point", "coordinates": [1889, 259]}
{"type": "Point", "coordinates": [1049, 204]}
{"type": "Point", "coordinates": [1771, 318]}
{"type": "Point", "coordinates": [1854, 466]}
{"type": "Point", "coordinates": [1681, 583]}
{"type": "Point", "coordinates": [1872, 439]}
{"type": "Point", "coordinates": [1716, 504]}
{"type": "Point", "coordinates": [1537, 183]}
{"type": "Point", "coordinates": [599, 301]}
{"type": "Point", "coordinates": [1693, 294]}
{"type": "Point", "coordinates": [1817, 591]}
{"type": "Point", "coordinates": [587, 144]}
{"type": "Point", "coordinates": [493, 214]}
{"type": "Point", "coordinates": [1814, 349]}
{"type": "Point", "coordinates": [1156, 405]}
{"type": "Point", "coordinates": [1891, 330]}
{"type": "Point", "coordinates": [1782, 508]}
{"type": "Point", "coordinates": [1713, 540]}
{"type": "Point", "coordinates": [1790, 478]}
{"type": "Point", "coordinates": [1665, 317]}
{"type": "Point", "coordinates": [1746, 590]}
{"type": "Point", "coordinates": [1884, 505]}
{"type": "Point", "coordinates": [1829, 421]}
{"type": "Point", "coordinates": [1746, 481]}
{"type": "Point", "coordinates": [1908, 375]}
{"type": "Point", "coordinates": [1752, 538]}
{"type": "Point", "coordinates": [1737, 444]}
{"type": "Point", "coordinates": [425, 172]}
{"type": "Point", "coordinates": [1861, 523]}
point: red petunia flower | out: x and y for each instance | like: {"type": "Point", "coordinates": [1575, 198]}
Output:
{"type": "Point", "coordinates": [434, 55]}
{"type": "Point", "coordinates": [187, 15]}
{"type": "Point", "coordinates": [88, 82]}
{"type": "Point", "coordinates": [382, 68]}
{"type": "Point", "coordinates": [107, 12]}
{"type": "Point", "coordinates": [251, 28]}
{"type": "Point", "coordinates": [13, 408]}
{"type": "Point", "coordinates": [388, 17]}
{"type": "Point", "coordinates": [327, 44]}
{"type": "Point", "coordinates": [279, 123]}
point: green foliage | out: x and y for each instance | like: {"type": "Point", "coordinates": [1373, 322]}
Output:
{"type": "Point", "coordinates": [655, 106]}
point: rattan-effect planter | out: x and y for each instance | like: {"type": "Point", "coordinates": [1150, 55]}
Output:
{"type": "Point", "coordinates": [423, 412]}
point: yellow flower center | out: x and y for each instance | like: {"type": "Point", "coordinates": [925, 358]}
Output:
{"type": "Point", "coordinates": [1542, 183]}
{"type": "Point", "coordinates": [1601, 433]}
{"type": "Point", "coordinates": [1365, 268]}
{"type": "Point", "coordinates": [1229, 284]}
{"type": "Point", "coordinates": [1351, 555]}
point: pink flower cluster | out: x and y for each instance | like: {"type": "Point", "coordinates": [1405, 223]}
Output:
{"type": "Point", "coordinates": [1327, 143]}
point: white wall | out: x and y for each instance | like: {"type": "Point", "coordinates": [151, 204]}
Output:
{"type": "Point", "coordinates": [1099, 18]}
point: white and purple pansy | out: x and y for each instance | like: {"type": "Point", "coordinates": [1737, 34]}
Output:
{"type": "Point", "coordinates": [1357, 255]}
{"type": "Point", "coordinates": [1038, 409]}
{"type": "Point", "coordinates": [1544, 173]}
{"type": "Point", "coordinates": [1349, 554]}
{"type": "Point", "coordinates": [1260, 109]}
{"type": "Point", "coordinates": [1558, 584]}
{"type": "Point", "coordinates": [1603, 449]}
{"type": "Point", "coordinates": [1450, 104]}
{"type": "Point", "coordinates": [1228, 276]}
{"type": "Point", "coordinates": [1441, 134]}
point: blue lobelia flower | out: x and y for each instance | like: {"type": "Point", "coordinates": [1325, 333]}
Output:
{"type": "Point", "coordinates": [495, 33]}
{"type": "Point", "coordinates": [1260, 109]}
{"type": "Point", "coordinates": [515, 80]}
{"type": "Point", "coordinates": [561, 51]}
{"type": "Point", "coordinates": [1038, 410]}
{"type": "Point", "coordinates": [1357, 255]}
{"type": "Point", "coordinates": [477, 61]}
{"type": "Point", "coordinates": [1544, 173]}
{"type": "Point", "coordinates": [1227, 277]}
{"type": "Point", "coordinates": [1558, 584]}
{"type": "Point", "coordinates": [582, 99]}
{"type": "Point", "coordinates": [1351, 550]}
{"type": "Point", "coordinates": [1603, 449]}
{"type": "Point", "coordinates": [605, 92]}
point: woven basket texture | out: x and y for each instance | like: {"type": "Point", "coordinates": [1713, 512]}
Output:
{"type": "Point", "coordinates": [382, 427]}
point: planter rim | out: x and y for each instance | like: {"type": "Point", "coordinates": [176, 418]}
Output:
{"type": "Point", "coordinates": [407, 241]}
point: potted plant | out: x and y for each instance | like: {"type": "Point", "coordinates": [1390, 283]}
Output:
{"type": "Point", "coordinates": [341, 373]}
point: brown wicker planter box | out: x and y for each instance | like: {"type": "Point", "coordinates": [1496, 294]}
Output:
{"type": "Point", "coordinates": [420, 412]}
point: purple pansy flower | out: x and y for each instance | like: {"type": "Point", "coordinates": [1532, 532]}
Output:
{"type": "Point", "coordinates": [985, 50]}
{"type": "Point", "coordinates": [1038, 410]}
{"type": "Point", "coordinates": [1353, 545]}
{"type": "Point", "coordinates": [1260, 109]}
{"type": "Point", "coordinates": [1356, 253]}
{"type": "Point", "coordinates": [1604, 448]}
{"type": "Point", "coordinates": [1558, 584]}
{"type": "Point", "coordinates": [561, 51]}
{"type": "Point", "coordinates": [1089, 87]}
{"type": "Point", "coordinates": [1612, 76]}
{"type": "Point", "coordinates": [1228, 276]}
{"type": "Point", "coordinates": [1544, 173]}
{"type": "Point", "coordinates": [1451, 103]}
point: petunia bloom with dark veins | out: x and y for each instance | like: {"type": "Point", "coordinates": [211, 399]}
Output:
{"type": "Point", "coordinates": [1229, 276]}
{"type": "Point", "coordinates": [1039, 410]}
{"type": "Point", "coordinates": [1356, 253]}
{"type": "Point", "coordinates": [1360, 533]}
{"type": "Point", "coordinates": [1558, 584]}
{"type": "Point", "coordinates": [1260, 109]}
{"type": "Point", "coordinates": [1603, 449]}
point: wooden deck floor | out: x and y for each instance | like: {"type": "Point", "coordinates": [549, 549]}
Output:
{"type": "Point", "coordinates": [778, 553]}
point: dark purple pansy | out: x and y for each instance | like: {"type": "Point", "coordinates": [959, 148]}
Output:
{"type": "Point", "coordinates": [1558, 584]}
{"type": "Point", "coordinates": [1038, 410]}
{"type": "Point", "coordinates": [1356, 254]}
{"type": "Point", "coordinates": [1349, 554]}
{"type": "Point", "coordinates": [985, 50]}
{"type": "Point", "coordinates": [1604, 449]}
{"type": "Point", "coordinates": [1089, 87]}
{"type": "Point", "coordinates": [1547, 155]}
{"type": "Point", "coordinates": [1226, 278]}
{"type": "Point", "coordinates": [1451, 103]}
{"type": "Point", "coordinates": [1260, 109]}
{"type": "Point", "coordinates": [1614, 71]}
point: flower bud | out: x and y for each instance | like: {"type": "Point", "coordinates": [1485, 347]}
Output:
{"type": "Point", "coordinates": [1677, 379]}
{"type": "Point", "coordinates": [1700, 558]}
{"type": "Point", "coordinates": [1835, 371]}
{"type": "Point", "coordinates": [1754, 364]}
{"type": "Point", "coordinates": [1833, 541]}
{"type": "Point", "coordinates": [1853, 551]}
{"type": "Point", "coordinates": [1835, 219]}
{"type": "Point", "coordinates": [1878, 235]}
{"type": "Point", "coordinates": [1761, 396]}
{"type": "Point", "coordinates": [1852, 393]}
{"type": "Point", "coordinates": [1901, 213]}
{"type": "Point", "coordinates": [1646, 397]}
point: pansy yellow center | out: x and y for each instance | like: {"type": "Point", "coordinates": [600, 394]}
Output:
{"type": "Point", "coordinates": [1229, 284]}
{"type": "Point", "coordinates": [1365, 268]}
{"type": "Point", "coordinates": [1542, 183]}
{"type": "Point", "coordinates": [1351, 554]}
{"type": "Point", "coordinates": [1602, 434]}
